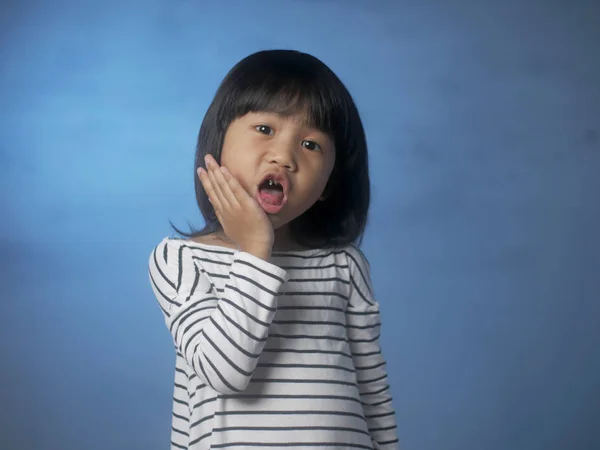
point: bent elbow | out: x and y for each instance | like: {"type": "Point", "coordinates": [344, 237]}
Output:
{"type": "Point", "coordinates": [224, 380]}
{"type": "Point", "coordinates": [229, 387]}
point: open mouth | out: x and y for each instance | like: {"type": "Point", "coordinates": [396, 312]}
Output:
{"type": "Point", "coordinates": [271, 191]}
{"type": "Point", "coordinates": [271, 194]}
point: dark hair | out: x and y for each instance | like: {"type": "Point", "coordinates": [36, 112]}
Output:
{"type": "Point", "coordinates": [287, 82]}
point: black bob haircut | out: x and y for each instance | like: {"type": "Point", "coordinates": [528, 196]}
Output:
{"type": "Point", "coordinates": [287, 82]}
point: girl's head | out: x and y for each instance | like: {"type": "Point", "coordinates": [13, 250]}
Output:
{"type": "Point", "coordinates": [286, 112]}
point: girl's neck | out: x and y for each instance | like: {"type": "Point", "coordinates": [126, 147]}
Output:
{"type": "Point", "coordinates": [283, 240]}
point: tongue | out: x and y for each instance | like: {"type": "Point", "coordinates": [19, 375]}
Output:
{"type": "Point", "coordinates": [271, 196]}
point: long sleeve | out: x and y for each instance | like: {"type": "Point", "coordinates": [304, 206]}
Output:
{"type": "Point", "coordinates": [364, 323]}
{"type": "Point", "coordinates": [220, 337]}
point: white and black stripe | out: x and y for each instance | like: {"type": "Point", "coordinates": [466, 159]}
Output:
{"type": "Point", "coordinates": [280, 354]}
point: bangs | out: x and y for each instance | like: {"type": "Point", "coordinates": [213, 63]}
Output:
{"type": "Point", "coordinates": [288, 101]}
{"type": "Point", "coordinates": [295, 86]}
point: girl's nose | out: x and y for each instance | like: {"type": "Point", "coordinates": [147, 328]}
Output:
{"type": "Point", "coordinates": [283, 155]}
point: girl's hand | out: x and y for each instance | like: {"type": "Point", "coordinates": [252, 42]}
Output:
{"type": "Point", "coordinates": [243, 220]}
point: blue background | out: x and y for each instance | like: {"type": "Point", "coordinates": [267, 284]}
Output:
{"type": "Point", "coordinates": [483, 119]}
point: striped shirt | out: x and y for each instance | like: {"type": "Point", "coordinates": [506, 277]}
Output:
{"type": "Point", "coordinates": [279, 354]}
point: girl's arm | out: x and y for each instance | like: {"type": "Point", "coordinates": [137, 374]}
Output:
{"type": "Point", "coordinates": [220, 338]}
{"type": "Point", "coordinates": [363, 324]}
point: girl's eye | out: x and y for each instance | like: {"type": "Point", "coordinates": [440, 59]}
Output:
{"type": "Point", "coordinates": [264, 129]}
{"type": "Point", "coordinates": [311, 145]}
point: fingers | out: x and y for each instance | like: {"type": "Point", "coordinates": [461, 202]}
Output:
{"type": "Point", "coordinates": [217, 185]}
{"type": "Point", "coordinates": [208, 188]}
{"type": "Point", "coordinates": [223, 183]}
{"type": "Point", "coordinates": [220, 186]}
{"type": "Point", "coordinates": [237, 192]}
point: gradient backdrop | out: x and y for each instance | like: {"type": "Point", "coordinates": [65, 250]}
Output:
{"type": "Point", "coordinates": [483, 119]}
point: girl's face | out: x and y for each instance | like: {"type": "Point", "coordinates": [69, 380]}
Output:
{"type": "Point", "coordinates": [262, 146]}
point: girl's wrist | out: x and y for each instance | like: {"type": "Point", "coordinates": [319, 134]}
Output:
{"type": "Point", "coordinates": [261, 252]}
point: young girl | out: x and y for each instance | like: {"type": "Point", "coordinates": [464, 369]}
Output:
{"type": "Point", "coordinates": [270, 306]}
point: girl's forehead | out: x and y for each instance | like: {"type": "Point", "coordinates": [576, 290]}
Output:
{"type": "Point", "coordinates": [290, 116]}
